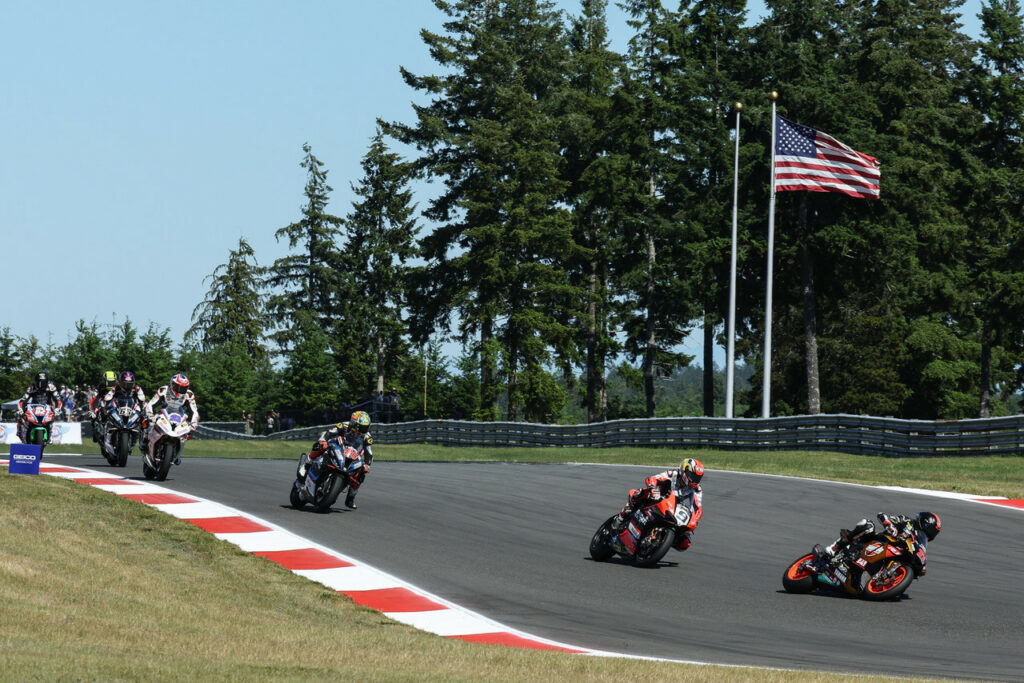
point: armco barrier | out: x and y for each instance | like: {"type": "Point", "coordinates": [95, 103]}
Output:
{"type": "Point", "coordinates": [856, 434]}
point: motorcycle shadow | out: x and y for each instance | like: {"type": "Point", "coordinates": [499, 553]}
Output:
{"type": "Point", "coordinates": [623, 562]}
{"type": "Point", "coordinates": [309, 510]}
{"type": "Point", "coordinates": [818, 593]}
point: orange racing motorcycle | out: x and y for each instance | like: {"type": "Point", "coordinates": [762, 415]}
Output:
{"type": "Point", "coordinates": [650, 532]}
{"type": "Point", "coordinates": [877, 566]}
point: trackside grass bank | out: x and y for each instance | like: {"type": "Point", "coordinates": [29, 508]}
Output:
{"type": "Point", "coordinates": [97, 587]}
{"type": "Point", "coordinates": [983, 476]}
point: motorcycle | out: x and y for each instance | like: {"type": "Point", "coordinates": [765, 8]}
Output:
{"type": "Point", "coordinates": [880, 566]}
{"type": "Point", "coordinates": [321, 483]}
{"type": "Point", "coordinates": [648, 534]}
{"type": "Point", "coordinates": [168, 433]}
{"type": "Point", "coordinates": [37, 424]}
{"type": "Point", "coordinates": [121, 430]}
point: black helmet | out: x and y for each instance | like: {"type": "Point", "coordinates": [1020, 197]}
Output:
{"type": "Point", "coordinates": [127, 382]}
{"type": "Point", "coordinates": [929, 523]}
{"type": "Point", "coordinates": [42, 380]}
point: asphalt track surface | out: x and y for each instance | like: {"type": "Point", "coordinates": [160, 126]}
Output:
{"type": "Point", "coordinates": [510, 541]}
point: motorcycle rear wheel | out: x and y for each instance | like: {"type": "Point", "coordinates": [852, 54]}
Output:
{"type": "Point", "coordinates": [797, 579]}
{"type": "Point", "coordinates": [653, 545]}
{"type": "Point", "coordinates": [883, 586]}
{"type": "Point", "coordinates": [601, 543]}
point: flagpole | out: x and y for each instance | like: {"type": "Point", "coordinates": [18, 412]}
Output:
{"type": "Point", "coordinates": [730, 353]}
{"type": "Point", "coordinates": [766, 389]}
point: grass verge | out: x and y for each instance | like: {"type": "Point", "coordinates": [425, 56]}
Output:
{"type": "Point", "coordinates": [983, 476]}
{"type": "Point", "coordinates": [93, 586]}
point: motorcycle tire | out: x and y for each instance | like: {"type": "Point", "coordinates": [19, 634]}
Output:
{"type": "Point", "coordinates": [332, 490]}
{"type": "Point", "coordinates": [601, 543]}
{"type": "Point", "coordinates": [796, 579]}
{"type": "Point", "coordinates": [876, 588]}
{"type": "Point", "coordinates": [168, 453]}
{"type": "Point", "coordinates": [295, 498]}
{"type": "Point", "coordinates": [112, 459]}
{"type": "Point", "coordinates": [649, 553]}
{"type": "Point", "coordinates": [124, 447]}
{"type": "Point", "coordinates": [39, 437]}
{"type": "Point", "coordinates": [147, 471]}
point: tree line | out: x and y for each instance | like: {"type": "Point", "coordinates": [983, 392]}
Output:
{"type": "Point", "coordinates": [579, 228]}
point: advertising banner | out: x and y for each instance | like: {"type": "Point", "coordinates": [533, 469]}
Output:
{"type": "Point", "coordinates": [25, 459]}
{"type": "Point", "coordinates": [62, 433]}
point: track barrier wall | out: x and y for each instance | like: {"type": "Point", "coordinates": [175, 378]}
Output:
{"type": "Point", "coordinates": [855, 434]}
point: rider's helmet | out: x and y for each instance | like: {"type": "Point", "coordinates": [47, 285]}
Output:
{"type": "Point", "coordinates": [929, 523]}
{"type": "Point", "coordinates": [127, 382]}
{"type": "Point", "coordinates": [41, 381]}
{"type": "Point", "coordinates": [178, 385]}
{"type": "Point", "coordinates": [360, 422]}
{"type": "Point", "coordinates": [691, 471]}
{"type": "Point", "coordinates": [109, 379]}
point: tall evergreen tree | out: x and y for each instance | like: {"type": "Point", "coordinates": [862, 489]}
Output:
{"type": "Point", "coordinates": [497, 257]}
{"type": "Point", "coordinates": [382, 230]}
{"type": "Point", "coordinates": [233, 308]}
{"type": "Point", "coordinates": [312, 278]}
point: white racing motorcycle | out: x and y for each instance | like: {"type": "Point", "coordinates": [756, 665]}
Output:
{"type": "Point", "coordinates": [168, 432]}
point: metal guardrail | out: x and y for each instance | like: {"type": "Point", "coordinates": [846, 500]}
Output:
{"type": "Point", "coordinates": [856, 434]}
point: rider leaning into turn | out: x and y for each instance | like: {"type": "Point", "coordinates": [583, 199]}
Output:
{"type": "Point", "coordinates": [357, 427]}
{"type": "Point", "coordinates": [924, 527]}
{"type": "Point", "coordinates": [686, 476]}
{"type": "Point", "coordinates": [174, 396]}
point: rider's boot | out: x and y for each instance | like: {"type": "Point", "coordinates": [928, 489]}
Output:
{"type": "Point", "coordinates": [350, 499]}
{"type": "Point", "coordinates": [303, 466]}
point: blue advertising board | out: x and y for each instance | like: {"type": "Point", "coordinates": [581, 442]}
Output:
{"type": "Point", "coordinates": [25, 458]}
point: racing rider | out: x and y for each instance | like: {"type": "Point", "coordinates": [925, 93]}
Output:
{"type": "Point", "coordinates": [42, 390]}
{"type": "Point", "coordinates": [173, 397]}
{"type": "Point", "coordinates": [687, 475]}
{"type": "Point", "coordinates": [126, 387]}
{"type": "Point", "coordinates": [96, 403]}
{"type": "Point", "coordinates": [355, 433]}
{"type": "Point", "coordinates": [925, 527]}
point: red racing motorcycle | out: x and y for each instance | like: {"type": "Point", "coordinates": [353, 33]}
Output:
{"type": "Point", "coordinates": [649, 533]}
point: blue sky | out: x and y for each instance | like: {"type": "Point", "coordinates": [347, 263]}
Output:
{"type": "Point", "coordinates": [139, 141]}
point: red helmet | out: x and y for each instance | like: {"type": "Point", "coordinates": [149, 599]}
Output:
{"type": "Point", "coordinates": [179, 385]}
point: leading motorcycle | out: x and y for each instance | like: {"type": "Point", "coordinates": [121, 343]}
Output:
{"type": "Point", "coordinates": [648, 534]}
{"type": "Point", "coordinates": [121, 429]}
{"type": "Point", "coordinates": [168, 432]}
{"type": "Point", "coordinates": [36, 424]}
{"type": "Point", "coordinates": [321, 481]}
{"type": "Point", "coordinates": [878, 566]}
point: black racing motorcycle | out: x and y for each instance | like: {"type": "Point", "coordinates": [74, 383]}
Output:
{"type": "Point", "coordinates": [319, 482]}
{"type": "Point", "coordinates": [121, 429]}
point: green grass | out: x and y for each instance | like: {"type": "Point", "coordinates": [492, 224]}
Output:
{"type": "Point", "coordinates": [983, 476]}
{"type": "Point", "coordinates": [93, 586]}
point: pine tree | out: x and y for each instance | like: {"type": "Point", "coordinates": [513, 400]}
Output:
{"type": "Point", "coordinates": [233, 308]}
{"type": "Point", "coordinates": [382, 229]}
{"type": "Point", "coordinates": [312, 278]}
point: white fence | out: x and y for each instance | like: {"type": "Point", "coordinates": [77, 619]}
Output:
{"type": "Point", "coordinates": [856, 434]}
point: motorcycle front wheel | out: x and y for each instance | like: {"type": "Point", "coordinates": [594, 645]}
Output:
{"type": "Point", "coordinates": [653, 545]}
{"type": "Point", "coordinates": [797, 578]}
{"type": "Point", "coordinates": [601, 543]}
{"type": "Point", "coordinates": [332, 489]}
{"type": "Point", "coordinates": [888, 583]}
{"type": "Point", "coordinates": [295, 498]}
{"type": "Point", "coordinates": [124, 447]}
{"type": "Point", "coordinates": [168, 451]}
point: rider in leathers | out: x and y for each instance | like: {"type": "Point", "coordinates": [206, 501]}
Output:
{"type": "Point", "coordinates": [355, 433]}
{"type": "Point", "coordinates": [125, 387]}
{"type": "Point", "coordinates": [43, 391]}
{"type": "Point", "coordinates": [172, 397]}
{"type": "Point", "coordinates": [687, 475]}
{"type": "Point", "coordinates": [925, 527]}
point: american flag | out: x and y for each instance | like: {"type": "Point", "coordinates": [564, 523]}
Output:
{"type": "Point", "coordinates": [807, 159]}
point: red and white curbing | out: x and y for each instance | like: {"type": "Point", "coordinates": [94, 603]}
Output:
{"type": "Point", "coordinates": [364, 584]}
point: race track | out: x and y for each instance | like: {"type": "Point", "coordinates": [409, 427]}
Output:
{"type": "Point", "coordinates": [510, 541]}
